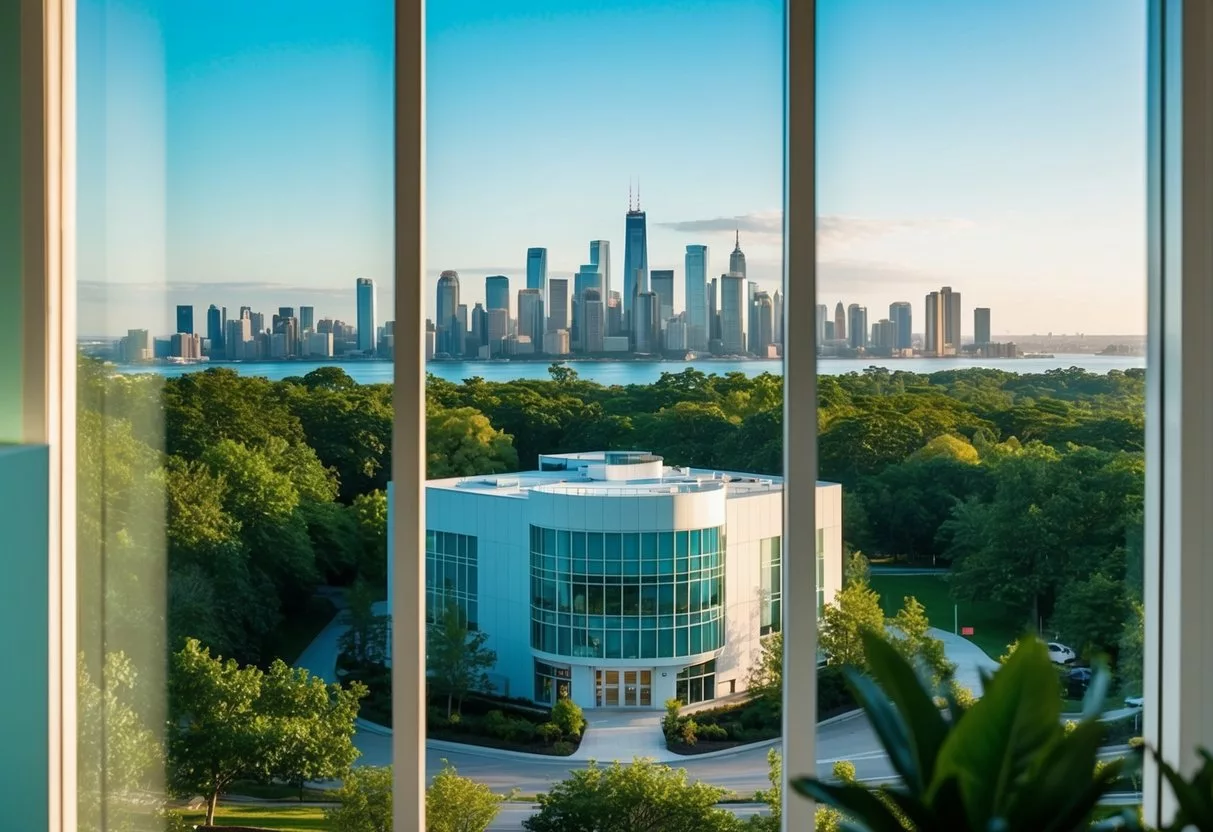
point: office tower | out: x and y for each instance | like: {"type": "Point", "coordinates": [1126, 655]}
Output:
{"type": "Point", "coordinates": [556, 342]}
{"type": "Point", "coordinates": [676, 333]}
{"type": "Point", "coordinates": [600, 257]}
{"type": "Point", "coordinates": [822, 312]}
{"type": "Point", "coordinates": [714, 310]}
{"type": "Point", "coordinates": [646, 328]}
{"type": "Point", "coordinates": [537, 271]}
{"type": "Point", "coordinates": [777, 312]}
{"type": "Point", "coordinates": [737, 258]}
{"type": "Point", "coordinates": [185, 345]}
{"type": "Point", "coordinates": [461, 331]}
{"type": "Point", "coordinates": [697, 261]}
{"type": "Point", "coordinates": [246, 310]}
{"type": "Point", "coordinates": [307, 318]}
{"type": "Point", "coordinates": [951, 318]}
{"type": "Point", "coordinates": [257, 321]}
{"type": "Point", "coordinates": [884, 334]}
{"type": "Point", "coordinates": [236, 339]}
{"type": "Point", "coordinates": [366, 314]}
{"type": "Point", "coordinates": [285, 312]}
{"type": "Point", "coordinates": [595, 320]}
{"type": "Point", "coordinates": [448, 339]}
{"type": "Point", "coordinates": [137, 345]}
{"type": "Point", "coordinates": [497, 293]}
{"type": "Point", "coordinates": [764, 324]}
{"type": "Point", "coordinates": [751, 325]}
{"type": "Point", "coordinates": [840, 322]}
{"type": "Point", "coordinates": [185, 319]}
{"type": "Point", "coordinates": [827, 334]}
{"type": "Point", "coordinates": [901, 314]}
{"type": "Point", "coordinates": [558, 303]}
{"type": "Point", "coordinates": [981, 325]}
{"type": "Point", "coordinates": [288, 328]}
{"type": "Point", "coordinates": [498, 328]}
{"type": "Point", "coordinates": [214, 328]}
{"type": "Point", "coordinates": [932, 337]}
{"type": "Point", "coordinates": [614, 312]}
{"type": "Point", "coordinates": [531, 321]}
{"type": "Point", "coordinates": [857, 326]}
{"type": "Point", "coordinates": [587, 278]}
{"type": "Point", "coordinates": [480, 330]}
{"type": "Point", "coordinates": [661, 283]}
{"type": "Point", "coordinates": [635, 258]}
{"type": "Point", "coordinates": [732, 313]}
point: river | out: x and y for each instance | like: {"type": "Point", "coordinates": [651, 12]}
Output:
{"type": "Point", "coordinates": [646, 372]}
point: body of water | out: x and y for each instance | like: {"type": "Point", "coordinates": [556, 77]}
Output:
{"type": "Point", "coordinates": [646, 372]}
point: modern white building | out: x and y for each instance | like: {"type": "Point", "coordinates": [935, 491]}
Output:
{"type": "Point", "coordinates": [617, 580]}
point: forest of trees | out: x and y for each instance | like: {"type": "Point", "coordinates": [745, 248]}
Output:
{"type": "Point", "coordinates": [1030, 486]}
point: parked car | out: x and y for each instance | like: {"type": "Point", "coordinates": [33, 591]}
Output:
{"type": "Point", "coordinates": [1135, 701]}
{"type": "Point", "coordinates": [1060, 654]}
{"type": "Point", "coordinates": [1075, 682]}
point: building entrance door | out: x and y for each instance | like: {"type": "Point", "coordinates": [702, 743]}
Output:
{"type": "Point", "coordinates": [623, 688]}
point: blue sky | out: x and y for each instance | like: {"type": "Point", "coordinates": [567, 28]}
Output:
{"type": "Point", "coordinates": [240, 153]}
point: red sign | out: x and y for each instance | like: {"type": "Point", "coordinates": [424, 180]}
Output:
{"type": "Point", "coordinates": [966, 631]}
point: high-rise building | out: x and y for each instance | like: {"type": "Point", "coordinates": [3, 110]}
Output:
{"type": "Point", "coordinates": [764, 324]}
{"type": "Point", "coordinates": [238, 339]}
{"type": "Point", "coordinates": [635, 258]}
{"type": "Point", "coordinates": [537, 271]}
{"type": "Point", "coordinates": [558, 303]}
{"type": "Point", "coordinates": [932, 337]}
{"type": "Point", "coordinates": [307, 318]}
{"type": "Point", "coordinates": [951, 319]}
{"type": "Point", "coordinates": [366, 315]}
{"type": "Point", "coordinates": [497, 293]}
{"type": "Point", "coordinates": [981, 325]}
{"type": "Point", "coordinates": [732, 313]}
{"type": "Point", "coordinates": [498, 328]}
{"type": "Point", "coordinates": [185, 345]}
{"type": "Point", "coordinates": [714, 310]}
{"type": "Point", "coordinates": [137, 345]}
{"type": "Point", "coordinates": [594, 324]}
{"type": "Point", "coordinates": [556, 342]}
{"type": "Point", "coordinates": [587, 278]}
{"type": "Point", "coordinates": [840, 322]}
{"type": "Point", "coordinates": [214, 328]}
{"type": "Point", "coordinates": [737, 258]}
{"type": "Point", "coordinates": [531, 320]}
{"type": "Point", "coordinates": [751, 326]}
{"type": "Point", "coordinates": [285, 312]}
{"type": "Point", "coordinates": [661, 283]}
{"type": "Point", "coordinates": [697, 261]}
{"type": "Point", "coordinates": [185, 319]}
{"type": "Point", "coordinates": [777, 312]}
{"type": "Point", "coordinates": [827, 332]}
{"type": "Point", "coordinates": [884, 334]}
{"type": "Point", "coordinates": [857, 325]}
{"type": "Point", "coordinates": [257, 322]}
{"type": "Point", "coordinates": [614, 311]}
{"type": "Point", "coordinates": [676, 333]}
{"type": "Point", "coordinates": [480, 330]}
{"type": "Point", "coordinates": [320, 345]}
{"type": "Point", "coordinates": [600, 256]}
{"type": "Point", "coordinates": [901, 314]}
{"type": "Point", "coordinates": [461, 331]}
{"type": "Point", "coordinates": [646, 328]}
{"type": "Point", "coordinates": [448, 339]}
{"type": "Point", "coordinates": [822, 312]}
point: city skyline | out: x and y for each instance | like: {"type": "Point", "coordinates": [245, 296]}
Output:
{"type": "Point", "coordinates": [1025, 184]}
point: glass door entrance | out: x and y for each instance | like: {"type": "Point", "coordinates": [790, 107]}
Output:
{"type": "Point", "coordinates": [623, 688]}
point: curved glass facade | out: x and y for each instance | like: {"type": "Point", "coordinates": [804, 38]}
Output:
{"type": "Point", "coordinates": [627, 595]}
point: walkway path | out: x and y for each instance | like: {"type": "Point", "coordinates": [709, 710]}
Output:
{"type": "Point", "coordinates": [969, 659]}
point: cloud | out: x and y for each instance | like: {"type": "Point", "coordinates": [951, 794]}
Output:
{"type": "Point", "coordinates": [768, 222]}
{"type": "Point", "coordinates": [832, 230]}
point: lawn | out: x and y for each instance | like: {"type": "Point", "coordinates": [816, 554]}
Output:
{"type": "Point", "coordinates": [993, 627]}
{"type": "Point", "coordinates": [296, 632]}
{"type": "Point", "coordinates": [293, 818]}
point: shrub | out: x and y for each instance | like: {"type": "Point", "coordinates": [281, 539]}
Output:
{"type": "Point", "coordinates": [672, 719]}
{"type": "Point", "coordinates": [550, 732]}
{"type": "Point", "coordinates": [567, 714]}
{"type": "Point", "coordinates": [713, 732]}
{"type": "Point", "coordinates": [366, 801]}
{"type": "Point", "coordinates": [436, 717]}
{"type": "Point", "coordinates": [735, 730]}
{"type": "Point", "coordinates": [689, 733]}
{"type": "Point", "coordinates": [521, 730]}
{"type": "Point", "coordinates": [455, 719]}
{"type": "Point", "coordinates": [844, 771]}
{"type": "Point", "coordinates": [563, 748]}
{"type": "Point", "coordinates": [496, 725]}
{"type": "Point", "coordinates": [458, 804]}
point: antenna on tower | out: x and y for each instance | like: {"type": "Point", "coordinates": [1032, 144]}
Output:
{"type": "Point", "coordinates": [629, 194]}
{"type": "Point", "coordinates": [637, 193]}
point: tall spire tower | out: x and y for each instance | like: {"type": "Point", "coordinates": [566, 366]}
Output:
{"type": "Point", "coordinates": [635, 255]}
{"type": "Point", "coordinates": [737, 257]}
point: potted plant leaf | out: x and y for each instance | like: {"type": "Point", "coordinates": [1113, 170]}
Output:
{"type": "Point", "coordinates": [1194, 797]}
{"type": "Point", "coordinates": [1006, 763]}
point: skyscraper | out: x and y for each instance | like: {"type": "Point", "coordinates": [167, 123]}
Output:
{"type": "Point", "coordinates": [764, 324]}
{"type": "Point", "coordinates": [595, 320]}
{"type": "Point", "coordinates": [530, 316]}
{"type": "Point", "coordinates": [214, 328]}
{"type": "Point", "coordinates": [751, 326]}
{"type": "Point", "coordinates": [497, 293]}
{"type": "Point", "coordinates": [586, 279]}
{"type": "Point", "coordinates": [840, 322]}
{"type": "Point", "coordinates": [732, 313]}
{"type": "Point", "coordinates": [823, 312]}
{"type": "Point", "coordinates": [448, 339]}
{"type": "Point", "coordinates": [558, 303]}
{"type": "Point", "coordinates": [737, 258]}
{"type": "Point", "coordinates": [777, 312]}
{"type": "Point", "coordinates": [714, 310]}
{"type": "Point", "coordinates": [697, 259]}
{"type": "Point", "coordinates": [600, 256]}
{"type": "Point", "coordinates": [901, 314]}
{"type": "Point", "coordinates": [614, 313]}
{"type": "Point", "coordinates": [285, 312]}
{"type": "Point", "coordinates": [884, 334]}
{"type": "Point", "coordinates": [932, 337]}
{"type": "Point", "coordinates": [307, 318]}
{"type": "Point", "coordinates": [981, 325]}
{"type": "Point", "coordinates": [537, 271]}
{"type": "Point", "coordinates": [661, 283]}
{"type": "Point", "coordinates": [635, 258]}
{"type": "Point", "coordinates": [498, 328]}
{"type": "Point", "coordinates": [480, 329]}
{"type": "Point", "coordinates": [951, 318]}
{"type": "Point", "coordinates": [645, 329]}
{"type": "Point", "coordinates": [185, 319]}
{"type": "Point", "coordinates": [857, 326]}
{"type": "Point", "coordinates": [461, 331]}
{"type": "Point", "coordinates": [367, 323]}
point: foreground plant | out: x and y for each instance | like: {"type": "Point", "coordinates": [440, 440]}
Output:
{"type": "Point", "coordinates": [1194, 797]}
{"type": "Point", "coordinates": [1005, 763]}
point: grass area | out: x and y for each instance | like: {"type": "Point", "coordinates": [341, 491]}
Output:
{"type": "Point", "coordinates": [290, 819]}
{"type": "Point", "coordinates": [993, 627]}
{"type": "Point", "coordinates": [291, 638]}
{"type": "Point", "coordinates": [280, 791]}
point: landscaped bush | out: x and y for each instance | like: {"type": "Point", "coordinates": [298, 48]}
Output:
{"type": "Point", "coordinates": [713, 732]}
{"type": "Point", "coordinates": [568, 715]}
{"type": "Point", "coordinates": [550, 732]}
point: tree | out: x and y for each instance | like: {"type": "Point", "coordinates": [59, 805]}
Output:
{"type": "Point", "coordinates": [228, 722]}
{"type": "Point", "coordinates": [366, 640]}
{"type": "Point", "coordinates": [856, 608]}
{"type": "Point", "coordinates": [641, 797]}
{"type": "Point", "coordinates": [461, 442]}
{"type": "Point", "coordinates": [365, 799]}
{"type": "Point", "coordinates": [370, 515]}
{"type": "Point", "coordinates": [459, 804]}
{"type": "Point", "coordinates": [456, 658]}
{"type": "Point", "coordinates": [1130, 662]}
{"type": "Point", "coordinates": [909, 634]}
{"type": "Point", "coordinates": [568, 716]}
{"type": "Point", "coordinates": [766, 673]}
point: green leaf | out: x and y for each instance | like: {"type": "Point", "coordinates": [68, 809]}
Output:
{"type": "Point", "coordinates": [890, 728]}
{"type": "Point", "coordinates": [1062, 789]}
{"type": "Point", "coordinates": [858, 802]}
{"type": "Point", "coordinates": [1097, 691]}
